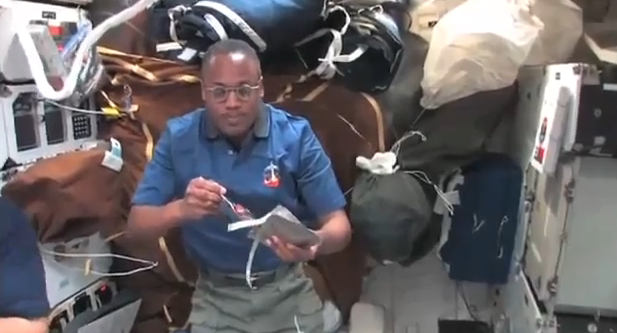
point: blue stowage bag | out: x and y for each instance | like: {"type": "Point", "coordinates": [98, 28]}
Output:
{"type": "Point", "coordinates": [481, 239]}
{"type": "Point", "coordinates": [268, 25]}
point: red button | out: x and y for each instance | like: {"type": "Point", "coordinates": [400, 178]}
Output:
{"type": "Point", "coordinates": [55, 30]}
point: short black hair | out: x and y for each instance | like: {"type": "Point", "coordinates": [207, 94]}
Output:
{"type": "Point", "coordinates": [228, 46]}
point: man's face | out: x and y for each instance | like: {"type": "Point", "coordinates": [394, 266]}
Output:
{"type": "Point", "coordinates": [232, 92]}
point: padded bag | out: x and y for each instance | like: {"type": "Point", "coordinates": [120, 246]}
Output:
{"type": "Point", "coordinates": [362, 45]}
{"type": "Point", "coordinates": [389, 213]}
{"type": "Point", "coordinates": [480, 241]}
{"type": "Point", "coordinates": [268, 25]}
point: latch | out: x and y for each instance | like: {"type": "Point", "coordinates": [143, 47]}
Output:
{"type": "Point", "coordinates": [551, 286]}
{"type": "Point", "coordinates": [568, 190]}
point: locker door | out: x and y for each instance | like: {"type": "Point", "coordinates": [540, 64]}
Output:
{"type": "Point", "coordinates": [546, 227]}
{"type": "Point", "coordinates": [587, 281]}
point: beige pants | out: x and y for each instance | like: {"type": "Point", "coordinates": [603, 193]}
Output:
{"type": "Point", "coordinates": [288, 304]}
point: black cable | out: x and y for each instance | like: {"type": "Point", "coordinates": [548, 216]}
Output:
{"type": "Point", "coordinates": [472, 314]}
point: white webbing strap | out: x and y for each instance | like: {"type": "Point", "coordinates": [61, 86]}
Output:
{"type": "Point", "coordinates": [172, 24]}
{"type": "Point", "coordinates": [236, 20]}
{"type": "Point", "coordinates": [454, 199]}
{"type": "Point", "coordinates": [215, 24]}
{"type": "Point", "coordinates": [252, 223]}
{"type": "Point", "coordinates": [249, 263]}
{"type": "Point", "coordinates": [327, 67]}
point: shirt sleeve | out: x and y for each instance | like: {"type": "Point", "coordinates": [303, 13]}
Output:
{"type": "Point", "coordinates": [316, 181]}
{"type": "Point", "coordinates": [23, 292]}
{"type": "Point", "coordinates": [157, 185]}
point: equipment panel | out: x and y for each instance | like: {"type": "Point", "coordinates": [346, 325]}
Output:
{"type": "Point", "coordinates": [34, 128]}
{"type": "Point", "coordinates": [570, 245]}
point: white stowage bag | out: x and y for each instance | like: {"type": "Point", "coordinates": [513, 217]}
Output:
{"type": "Point", "coordinates": [478, 46]}
{"type": "Point", "coordinates": [563, 27]}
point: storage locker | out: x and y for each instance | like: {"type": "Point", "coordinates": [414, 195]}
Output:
{"type": "Point", "coordinates": [571, 249]}
{"type": "Point", "coordinates": [571, 252]}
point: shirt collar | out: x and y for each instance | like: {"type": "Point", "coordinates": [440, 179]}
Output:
{"type": "Point", "coordinates": [261, 128]}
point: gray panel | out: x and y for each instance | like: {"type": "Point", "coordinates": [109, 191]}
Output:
{"type": "Point", "coordinates": [587, 279]}
{"type": "Point", "coordinates": [546, 228]}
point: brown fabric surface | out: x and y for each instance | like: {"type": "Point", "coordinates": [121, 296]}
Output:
{"type": "Point", "coordinates": [155, 324]}
{"type": "Point", "coordinates": [158, 287]}
{"type": "Point", "coordinates": [68, 195]}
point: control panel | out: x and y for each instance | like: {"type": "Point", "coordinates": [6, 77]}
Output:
{"type": "Point", "coordinates": [69, 268]}
{"type": "Point", "coordinates": [92, 297]}
{"type": "Point", "coordinates": [32, 129]}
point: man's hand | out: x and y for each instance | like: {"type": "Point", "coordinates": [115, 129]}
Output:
{"type": "Point", "coordinates": [19, 325]}
{"type": "Point", "coordinates": [290, 252]}
{"type": "Point", "coordinates": [202, 197]}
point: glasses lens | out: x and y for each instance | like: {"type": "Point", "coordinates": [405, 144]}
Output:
{"type": "Point", "coordinates": [219, 93]}
{"type": "Point", "coordinates": [244, 92]}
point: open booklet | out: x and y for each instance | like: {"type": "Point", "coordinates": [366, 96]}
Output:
{"type": "Point", "coordinates": [279, 222]}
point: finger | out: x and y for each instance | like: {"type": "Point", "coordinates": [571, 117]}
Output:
{"type": "Point", "coordinates": [206, 184]}
{"type": "Point", "coordinates": [204, 199]}
{"type": "Point", "coordinates": [196, 208]}
{"type": "Point", "coordinates": [212, 186]}
{"type": "Point", "coordinates": [207, 196]}
{"type": "Point", "coordinates": [280, 249]}
{"type": "Point", "coordinates": [197, 203]}
{"type": "Point", "coordinates": [198, 182]}
{"type": "Point", "coordinates": [277, 241]}
{"type": "Point", "coordinates": [284, 255]}
{"type": "Point", "coordinates": [295, 253]}
{"type": "Point", "coordinates": [298, 253]}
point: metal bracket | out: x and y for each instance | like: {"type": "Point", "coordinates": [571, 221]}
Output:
{"type": "Point", "coordinates": [551, 286]}
{"type": "Point", "coordinates": [568, 191]}
{"type": "Point", "coordinates": [4, 89]}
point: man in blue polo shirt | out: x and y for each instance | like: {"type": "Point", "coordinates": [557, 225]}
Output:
{"type": "Point", "coordinates": [258, 157]}
{"type": "Point", "coordinates": [23, 296]}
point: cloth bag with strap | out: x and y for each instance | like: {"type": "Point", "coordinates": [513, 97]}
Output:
{"type": "Point", "coordinates": [390, 208]}
{"type": "Point", "coordinates": [269, 26]}
{"type": "Point", "coordinates": [363, 45]}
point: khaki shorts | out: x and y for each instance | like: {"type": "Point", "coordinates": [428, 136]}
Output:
{"type": "Point", "coordinates": [287, 303]}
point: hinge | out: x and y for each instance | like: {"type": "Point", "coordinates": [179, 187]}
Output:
{"type": "Point", "coordinates": [546, 324]}
{"type": "Point", "coordinates": [551, 286]}
{"type": "Point", "coordinates": [563, 238]}
{"type": "Point", "coordinates": [568, 190]}
{"type": "Point", "coordinates": [4, 90]}
{"type": "Point", "coordinates": [550, 325]}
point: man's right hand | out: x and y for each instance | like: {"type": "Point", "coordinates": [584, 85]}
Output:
{"type": "Point", "coordinates": [202, 197]}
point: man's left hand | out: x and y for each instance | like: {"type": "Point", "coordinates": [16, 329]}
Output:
{"type": "Point", "coordinates": [290, 252]}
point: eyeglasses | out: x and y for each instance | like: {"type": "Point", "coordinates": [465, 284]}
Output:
{"type": "Point", "coordinates": [243, 92]}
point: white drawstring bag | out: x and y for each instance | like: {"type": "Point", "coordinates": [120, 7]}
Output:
{"type": "Point", "coordinates": [563, 27]}
{"type": "Point", "coordinates": [478, 46]}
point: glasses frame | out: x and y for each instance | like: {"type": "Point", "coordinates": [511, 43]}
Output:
{"type": "Point", "coordinates": [228, 90]}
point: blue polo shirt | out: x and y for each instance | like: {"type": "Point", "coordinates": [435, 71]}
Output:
{"type": "Point", "coordinates": [191, 147]}
{"type": "Point", "coordinates": [22, 278]}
